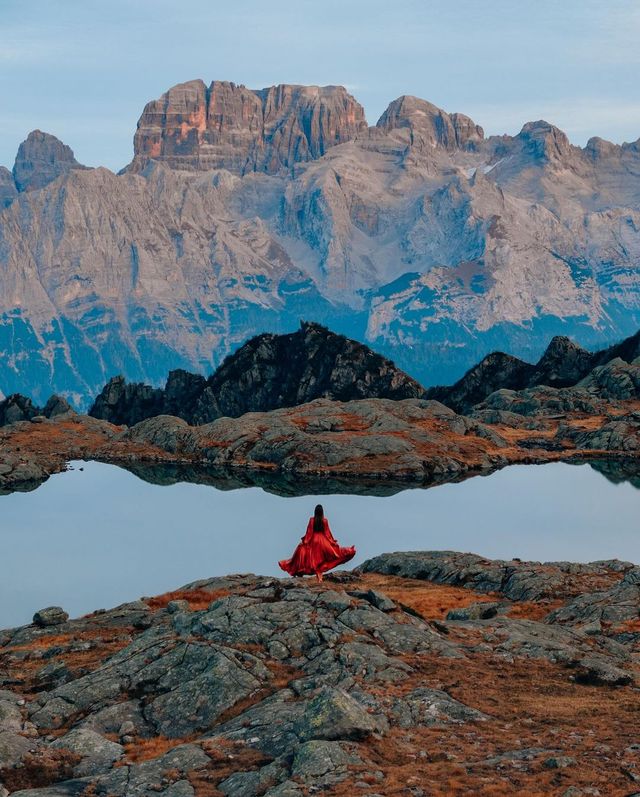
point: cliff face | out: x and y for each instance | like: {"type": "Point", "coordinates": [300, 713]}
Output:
{"type": "Point", "coordinates": [226, 126]}
{"type": "Point", "coordinates": [244, 211]}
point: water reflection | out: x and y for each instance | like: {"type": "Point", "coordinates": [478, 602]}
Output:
{"type": "Point", "coordinates": [282, 484]}
{"type": "Point", "coordinates": [616, 471]}
{"type": "Point", "coordinates": [96, 537]}
{"type": "Point", "coordinates": [619, 471]}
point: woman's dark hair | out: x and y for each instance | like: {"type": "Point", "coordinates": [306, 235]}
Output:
{"type": "Point", "coordinates": [318, 518]}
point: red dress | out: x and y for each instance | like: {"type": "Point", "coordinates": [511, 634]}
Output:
{"type": "Point", "coordinates": [318, 552]}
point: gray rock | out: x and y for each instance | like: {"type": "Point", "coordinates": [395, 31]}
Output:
{"type": "Point", "coordinates": [600, 671]}
{"type": "Point", "coordinates": [55, 406]}
{"type": "Point", "coordinates": [375, 598]}
{"type": "Point", "coordinates": [173, 607]}
{"type": "Point", "coordinates": [68, 788]}
{"type": "Point", "coordinates": [52, 615]}
{"type": "Point", "coordinates": [334, 715]}
{"type": "Point", "coordinates": [10, 715]}
{"type": "Point", "coordinates": [475, 611]}
{"type": "Point", "coordinates": [149, 777]}
{"type": "Point", "coordinates": [558, 762]}
{"type": "Point", "coordinates": [88, 743]}
{"type": "Point", "coordinates": [252, 784]}
{"type": "Point", "coordinates": [323, 764]}
{"type": "Point", "coordinates": [13, 747]}
{"type": "Point", "coordinates": [425, 706]}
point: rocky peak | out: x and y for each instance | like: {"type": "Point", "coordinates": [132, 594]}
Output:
{"type": "Point", "coordinates": [598, 148]}
{"type": "Point", "coordinates": [41, 159]}
{"type": "Point", "coordinates": [266, 373]}
{"type": "Point", "coordinates": [563, 363]}
{"type": "Point", "coordinates": [8, 188]}
{"type": "Point", "coordinates": [228, 126]}
{"type": "Point", "coordinates": [495, 371]}
{"type": "Point", "coordinates": [429, 125]}
{"type": "Point", "coordinates": [545, 141]}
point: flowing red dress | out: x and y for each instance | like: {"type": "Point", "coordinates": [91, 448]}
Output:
{"type": "Point", "coordinates": [318, 552]}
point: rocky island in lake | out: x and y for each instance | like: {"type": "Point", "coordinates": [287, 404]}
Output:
{"type": "Point", "coordinates": [314, 403]}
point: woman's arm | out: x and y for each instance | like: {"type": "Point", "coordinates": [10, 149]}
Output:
{"type": "Point", "coordinates": [309, 531]}
{"type": "Point", "coordinates": [327, 530]}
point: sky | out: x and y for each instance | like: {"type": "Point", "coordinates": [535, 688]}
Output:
{"type": "Point", "coordinates": [83, 69]}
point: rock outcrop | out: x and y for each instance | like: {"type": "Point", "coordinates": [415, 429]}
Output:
{"type": "Point", "coordinates": [603, 374]}
{"type": "Point", "coordinates": [41, 159]}
{"type": "Point", "coordinates": [247, 685]}
{"type": "Point", "coordinates": [227, 126]}
{"type": "Point", "coordinates": [8, 190]}
{"type": "Point", "coordinates": [269, 372]}
{"type": "Point", "coordinates": [17, 408]}
{"type": "Point", "coordinates": [430, 126]}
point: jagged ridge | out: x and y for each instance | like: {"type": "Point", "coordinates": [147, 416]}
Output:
{"type": "Point", "coordinates": [268, 372]}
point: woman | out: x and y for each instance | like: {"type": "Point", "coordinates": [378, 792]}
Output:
{"type": "Point", "coordinates": [319, 550]}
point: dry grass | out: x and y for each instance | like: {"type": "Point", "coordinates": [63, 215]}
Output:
{"type": "Point", "coordinates": [39, 770]}
{"type": "Point", "coordinates": [196, 598]}
{"type": "Point", "coordinates": [227, 757]}
{"type": "Point", "coordinates": [533, 610]}
{"type": "Point", "coordinates": [147, 749]}
{"type": "Point", "coordinates": [23, 671]}
{"type": "Point", "coordinates": [532, 704]}
{"type": "Point", "coordinates": [429, 600]}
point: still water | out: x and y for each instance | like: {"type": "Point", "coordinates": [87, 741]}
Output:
{"type": "Point", "coordinates": [99, 536]}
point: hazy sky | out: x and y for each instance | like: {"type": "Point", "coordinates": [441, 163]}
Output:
{"type": "Point", "coordinates": [83, 69]}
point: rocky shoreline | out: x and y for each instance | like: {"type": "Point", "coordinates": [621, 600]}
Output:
{"type": "Point", "coordinates": [420, 673]}
{"type": "Point", "coordinates": [413, 440]}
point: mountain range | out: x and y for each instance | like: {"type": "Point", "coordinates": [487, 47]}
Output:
{"type": "Point", "coordinates": [243, 211]}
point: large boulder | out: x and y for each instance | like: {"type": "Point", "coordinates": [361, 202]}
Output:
{"type": "Point", "coordinates": [332, 715]}
{"type": "Point", "coordinates": [52, 615]}
{"type": "Point", "coordinates": [17, 408]}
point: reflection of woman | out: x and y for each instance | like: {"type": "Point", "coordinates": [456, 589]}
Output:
{"type": "Point", "coordinates": [319, 550]}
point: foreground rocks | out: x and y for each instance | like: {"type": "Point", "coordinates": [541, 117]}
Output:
{"type": "Point", "coordinates": [389, 680]}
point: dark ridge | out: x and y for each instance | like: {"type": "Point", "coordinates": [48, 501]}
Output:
{"type": "Point", "coordinates": [17, 407]}
{"type": "Point", "coordinates": [563, 364]}
{"type": "Point", "coordinates": [628, 350]}
{"type": "Point", "coordinates": [268, 372]}
{"type": "Point", "coordinates": [492, 373]}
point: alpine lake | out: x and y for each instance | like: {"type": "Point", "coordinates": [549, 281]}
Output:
{"type": "Point", "coordinates": [99, 535]}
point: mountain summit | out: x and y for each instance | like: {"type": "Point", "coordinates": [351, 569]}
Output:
{"type": "Point", "coordinates": [244, 210]}
{"type": "Point", "coordinates": [226, 126]}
